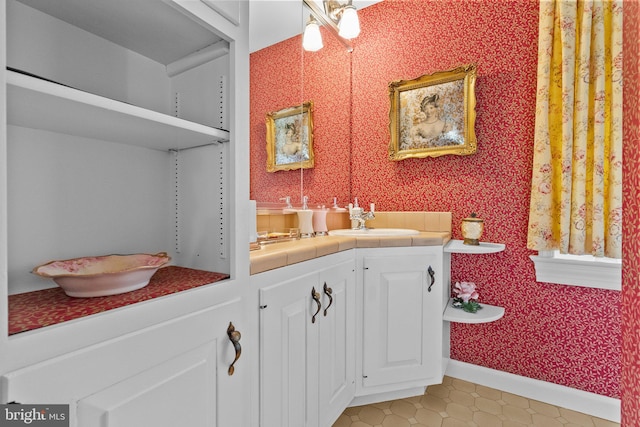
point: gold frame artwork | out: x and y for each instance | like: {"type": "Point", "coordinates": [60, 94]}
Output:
{"type": "Point", "coordinates": [433, 115]}
{"type": "Point", "coordinates": [290, 138]}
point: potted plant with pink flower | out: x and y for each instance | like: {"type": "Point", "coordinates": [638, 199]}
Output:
{"type": "Point", "coordinates": [466, 297]}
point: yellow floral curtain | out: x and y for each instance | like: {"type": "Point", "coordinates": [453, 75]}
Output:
{"type": "Point", "coordinates": [576, 188]}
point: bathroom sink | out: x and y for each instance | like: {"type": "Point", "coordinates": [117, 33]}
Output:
{"type": "Point", "coordinates": [375, 232]}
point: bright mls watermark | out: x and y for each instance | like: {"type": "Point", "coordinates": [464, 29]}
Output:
{"type": "Point", "coordinates": [34, 415]}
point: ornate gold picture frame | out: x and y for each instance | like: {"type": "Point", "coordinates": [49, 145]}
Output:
{"type": "Point", "coordinates": [290, 138]}
{"type": "Point", "coordinates": [433, 115]}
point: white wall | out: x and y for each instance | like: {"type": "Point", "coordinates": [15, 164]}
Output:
{"type": "Point", "coordinates": [70, 197]}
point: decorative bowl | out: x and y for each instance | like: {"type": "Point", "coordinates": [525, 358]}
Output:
{"type": "Point", "coordinates": [103, 275]}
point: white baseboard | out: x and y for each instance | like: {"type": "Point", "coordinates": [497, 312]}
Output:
{"type": "Point", "coordinates": [383, 397]}
{"type": "Point", "coordinates": [593, 404]}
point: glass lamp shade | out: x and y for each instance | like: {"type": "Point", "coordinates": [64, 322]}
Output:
{"type": "Point", "coordinates": [349, 25]}
{"type": "Point", "coordinates": [312, 39]}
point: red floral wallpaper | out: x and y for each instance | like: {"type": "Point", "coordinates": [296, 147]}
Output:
{"type": "Point", "coordinates": [630, 380]}
{"type": "Point", "coordinates": [566, 335]}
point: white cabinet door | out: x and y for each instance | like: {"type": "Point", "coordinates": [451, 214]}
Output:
{"type": "Point", "coordinates": [402, 315]}
{"type": "Point", "coordinates": [288, 348]}
{"type": "Point", "coordinates": [181, 391]}
{"type": "Point", "coordinates": [193, 388]}
{"type": "Point", "coordinates": [174, 373]}
{"type": "Point", "coordinates": [307, 348]}
{"type": "Point", "coordinates": [337, 342]}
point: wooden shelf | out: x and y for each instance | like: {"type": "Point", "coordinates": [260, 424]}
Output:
{"type": "Point", "coordinates": [488, 313]}
{"type": "Point", "coordinates": [41, 104]}
{"type": "Point", "coordinates": [457, 247]}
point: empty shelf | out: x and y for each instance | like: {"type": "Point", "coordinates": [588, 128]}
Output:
{"type": "Point", "coordinates": [41, 104]}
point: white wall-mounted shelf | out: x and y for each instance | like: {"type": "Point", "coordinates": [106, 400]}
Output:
{"type": "Point", "coordinates": [41, 104]}
{"type": "Point", "coordinates": [488, 313]}
{"type": "Point", "coordinates": [457, 247]}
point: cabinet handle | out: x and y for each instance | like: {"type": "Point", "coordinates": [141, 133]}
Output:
{"type": "Point", "coordinates": [316, 297]}
{"type": "Point", "coordinates": [432, 274]}
{"type": "Point", "coordinates": [234, 337]}
{"type": "Point", "coordinates": [328, 291]}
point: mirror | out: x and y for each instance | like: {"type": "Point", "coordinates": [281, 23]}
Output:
{"type": "Point", "coordinates": [327, 82]}
{"type": "Point", "coordinates": [283, 75]}
{"type": "Point", "coordinates": [276, 83]}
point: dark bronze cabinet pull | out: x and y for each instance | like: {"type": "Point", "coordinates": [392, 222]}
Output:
{"type": "Point", "coordinates": [432, 274]}
{"type": "Point", "coordinates": [234, 337]}
{"type": "Point", "coordinates": [316, 297]}
{"type": "Point", "coordinates": [328, 291]}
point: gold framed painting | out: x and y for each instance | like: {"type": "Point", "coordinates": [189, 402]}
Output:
{"type": "Point", "coordinates": [433, 115]}
{"type": "Point", "coordinates": [290, 138]}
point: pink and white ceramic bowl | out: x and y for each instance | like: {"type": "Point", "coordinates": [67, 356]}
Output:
{"type": "Point", "coordinates": [103, 275]}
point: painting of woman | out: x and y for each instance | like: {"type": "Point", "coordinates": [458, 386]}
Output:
{"type": "Point", "coordinates": [429, 124]}
{"type": "Point", "coordinates": [433, 114]}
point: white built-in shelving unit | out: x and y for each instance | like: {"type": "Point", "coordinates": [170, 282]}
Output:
{"type": "Point", "coordinates": [122, 132]}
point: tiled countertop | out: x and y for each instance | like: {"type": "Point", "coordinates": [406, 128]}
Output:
{"type": "Point", "coordinates": [278, 255]}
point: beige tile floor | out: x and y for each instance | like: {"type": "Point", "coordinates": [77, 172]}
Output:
{"type": "Point", "coordinates": [458, 403]}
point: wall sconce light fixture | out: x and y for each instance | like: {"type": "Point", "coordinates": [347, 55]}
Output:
{"type": "Point", "coordinates": [312, 39]}
{"type": "Point", "coordinates": [340, 17]}
{"type": "Point", "coordinates": [348, 21]}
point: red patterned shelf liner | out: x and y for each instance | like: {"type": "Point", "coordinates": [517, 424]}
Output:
{"type": "Point", "coordinates": [33, 310]}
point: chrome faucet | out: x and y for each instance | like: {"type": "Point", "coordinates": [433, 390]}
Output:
{"type": "Point", "coordinates": [287, 200]}
{"type": "Point", "coordinates": [356, 213]}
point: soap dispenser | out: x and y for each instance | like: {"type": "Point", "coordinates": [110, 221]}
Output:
{"type": "Point", "coordinates": [305, 219]}
{"type": "Point", "coordinates": [355, 211]}
{"type": "Point", "coordinates": [320, 221]}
